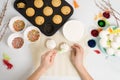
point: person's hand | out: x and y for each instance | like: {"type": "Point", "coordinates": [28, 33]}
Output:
{"type": "Point", "coordinates": [47, 59]}
{"type": "Point", "coordinates": [77, 55]}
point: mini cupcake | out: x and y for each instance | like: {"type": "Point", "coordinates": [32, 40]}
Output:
{"type": "Point", "coordinates": [65, 47]}
{"type": "Point", "coordinates": [17, 24]}
{"type": "Point", "coordinates": [30, 12]}
{"type": "Point", "coordinates": [50, 44]}
{"type": "Point", "coordinates": [32, 34]}
{"type": "Point", "coordinates": [21, 5]}
{"type": "Point", "coordinates": [15, 41]}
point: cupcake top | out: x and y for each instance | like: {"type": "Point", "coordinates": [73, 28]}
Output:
{"type": "Point", "coordinates": [38, 3]}
{"type": "Point", "coordinates": [57, 19]}
{"type": "Point", "coordinates": [47, 11]}
{"type": "Point", "coordinates": [21, 5]}
{"type": "Point", "coordinates": [56, 3]}
{"type": "Point", "coordinates": [39, 20]}
{"type": "Point", "coordinates": [30, 12]}
{"type": "Point", "coordinates": [66, 10]}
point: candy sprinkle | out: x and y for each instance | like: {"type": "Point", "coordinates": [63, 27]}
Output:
{"type": "Point", "coordinates": [75, 4]}
{"type": "Point", "coordinates": [6, 57]}
{"type": "Point", "coordinates": [99, 29]}
{"type": "Point", "coordinates": [91, 43]}
{"type": "Point", "coordinates": [8, 64]}
{"type": "Point", "coordinates": [97, 51]}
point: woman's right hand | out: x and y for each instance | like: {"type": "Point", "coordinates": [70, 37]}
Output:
{"type": "Point", "coordinates": [77, 55]}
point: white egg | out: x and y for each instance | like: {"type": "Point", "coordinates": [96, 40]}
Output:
{"type": "Point", "coordinates": [110, 51]}
{"type": "Point", "coordinates": [115, 45]}
{"type": "Point", "coordinates": [117, 39]}
{"type": "Point", "coordinates": [50, 44]}
{"type": "Point", "coordinates": [111, 37]}
{"type": "Point", "coordinates": [103, 43]}
{"type": "Point", "coordinates": [103, 34]}
{"type": "Point", "coordinates": [65, 47]}
{"type": "Point", "coordinates": [117, 53]}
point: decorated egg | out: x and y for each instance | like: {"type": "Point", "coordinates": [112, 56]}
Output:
{"type": "Point", "coordinates": [103, 43]}
{"type": "Point", "coordinates": [115, 45]}
{"type": "Point", "coordinates": [110, 51]}
{"type": "Point", "coordinates": [64, 47]}
{"type": "Point", "coordinates": [117, 53]}
{"type": "Point", "coordinates": [117, 39]}
{"type": "Point", "coordinates": [111, 37]}
{"type": "Point", "coordinates": [103, 34]}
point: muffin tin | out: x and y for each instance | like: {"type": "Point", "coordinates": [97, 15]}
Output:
{"type": "Point", "coordinates": [50, 17]}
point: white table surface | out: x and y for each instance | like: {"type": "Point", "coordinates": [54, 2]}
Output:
{"type": "Point", "coordinates": [98, 66]}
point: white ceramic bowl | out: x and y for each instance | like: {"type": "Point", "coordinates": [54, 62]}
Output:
{"type": "Point", "coordinates": [73, 30]}
{"type": "Point", "coordinates": [12, 37]}
{"type": "Point", "coordinates": [29, 29]}
{"type": "Point", "coordinates": [12, 22]}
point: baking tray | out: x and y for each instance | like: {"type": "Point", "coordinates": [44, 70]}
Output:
{"type": "Point", "coordinates": [49, 27]}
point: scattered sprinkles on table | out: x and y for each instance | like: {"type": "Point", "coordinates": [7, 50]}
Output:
{"type": "Point", "coordinates": [6, 61]}
{"type": "Point", "coordinates": [76, 5]}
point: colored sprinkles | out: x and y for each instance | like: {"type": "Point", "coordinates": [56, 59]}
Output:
{"type": "Point", "coordinates": [75, 4]}
{"type": "Point", "coordinates": [97, 51]}
{"type": "Point", "coordinates": [6, 62]}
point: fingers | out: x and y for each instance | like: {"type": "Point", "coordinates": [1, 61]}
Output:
{"type": "Point", "coordinates": [77, 45]}
{"type": "Point", "coordinates": [52, 58]}
{"type": "Point", "coordinates": [76, 49]}
{"type": "Point", "coordinates": [73, 54]}
{"type": "Point", "coordinates": [51, 55]}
